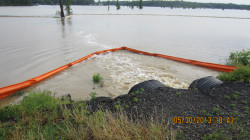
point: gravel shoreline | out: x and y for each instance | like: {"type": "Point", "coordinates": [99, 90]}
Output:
{"type": "Point", "coordinates": [226, 108]}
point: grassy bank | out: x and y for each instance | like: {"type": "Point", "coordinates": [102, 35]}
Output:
{"type": "Point", "coordinates": [240, 59]}
{"type": "Point", "coordinates": [40, 116]}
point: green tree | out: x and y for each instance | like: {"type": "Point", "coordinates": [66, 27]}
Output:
{"type": "Point", "coordinates": [61, 7]}
{"type": "Point", "coordinates": [1, 2]}
{"type": "Point", "coordinates": [118, 5]}
{"type": "Point", "coordinates": [68, 8]}
{"type": "Point", "coordinates": [132, 5]}
{"type": "Point", "coordinates": [140, 4]}
{"type": "Point", "coordinates": [108, 4]}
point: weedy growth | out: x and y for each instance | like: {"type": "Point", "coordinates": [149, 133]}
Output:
{"type": "Point", "coordinates": [97, 78]}
{"type": "Point", "coordinates": [216, 109]}
{"type": "Point", "coordinates": [137, 92]}
{"type": "Point", "coordinates": [118, 107]}
{"type": "Point", "coordinates": [136, 99]}
{"type": "Point", "coordinates": [93, 96]}
{"type": "Point", "coordinates": [41, 116]}
{"type": "Point", "coordinates": [142, 90]}
{"type": "Point", "coordinates": [244, 102]}
{"type": "Point", "coordinates": [227, 97]}
{"type": "Point", "coordinates": [235, 96]}
{"type": "Point", "coordinates": [233, 105]}
{"type": "Point", "coordinates": [178, 93]}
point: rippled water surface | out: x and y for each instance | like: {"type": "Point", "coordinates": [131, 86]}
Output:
{"type": "Point", "coordinates": [32, 42]}
{"type": "Point", "coordinates": [121, 70]}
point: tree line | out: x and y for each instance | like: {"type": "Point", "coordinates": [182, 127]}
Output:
{"type": "Point", "coordinates": [42, 2]}
{"type": "Point", "coordinates": [138, 3]}
{"type": "Point", "coordinates": [177, 4]}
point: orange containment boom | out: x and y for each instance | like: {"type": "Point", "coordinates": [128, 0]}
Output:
{"type": "Point", "coordinates": [8, 90]}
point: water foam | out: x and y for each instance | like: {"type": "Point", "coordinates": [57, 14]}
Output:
{"type": "Point", "coordinates": [128, 69]}
{"type": "Point", "coordinates": [90, 39]}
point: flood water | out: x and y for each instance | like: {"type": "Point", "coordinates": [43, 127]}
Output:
{"type": "Point", "coordinates": [32, 42]}
{"type": "Point", "coordinates": [120, 70]}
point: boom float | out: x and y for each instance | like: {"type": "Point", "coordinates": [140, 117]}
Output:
{"type": "Point", "coordinates": [8, 90]}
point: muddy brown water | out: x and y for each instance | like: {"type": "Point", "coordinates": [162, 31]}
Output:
{"type": "Point", "coordinates": [120, 71]}
{"type": "Point", "coordinates": [32, 42]}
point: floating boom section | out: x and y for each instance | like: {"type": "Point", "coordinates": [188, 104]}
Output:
{"type": "Point", "coordinates": [8, 90]}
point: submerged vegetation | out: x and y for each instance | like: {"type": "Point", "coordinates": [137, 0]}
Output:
{"type": "Point", "coordinates": [241, 60]}
{"type": "Point", "coordinates": [40, 116]}
{"type": "Point", "coordinates": [97, 78]}
{"type": "Point", "coordinates": [68, 8]}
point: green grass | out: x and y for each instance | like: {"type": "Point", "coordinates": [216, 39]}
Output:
{"type": "Point", "coordinates": [97, 78]}
{"type": "Point", "coordinates": [38, 102]}
{"type": "Point", "coordinates": [137, 92]}
{"type": "Point", "coordinates": [244, 102]}
{"type": "Point", "coordinates": [93, 96]}
{"type": "Point", "coordinates": [40, 116]}
{"type": "Point", "coordinates": [118, 107]}
{"type": "Point", "coordinates": [179, 135]}
{"type": "Point", "coordinates": [126, 106]}
{"type": "Point", "coordinates": [227, 97]}
{"type": "Point", "coordinates": [203, 111]}
{"type": "Point", "coordinates": [178, 93]}
{"type": "Point", "coordinates": [136, 99]}
{"type": "Point", "coordinates": [216, 109]}
{"type": "Point", "coordinates": [233, 105]}
{"type": "Point", "coordinates": [235, 96]}
{"type": "Point", "coordinates": [142, 90]}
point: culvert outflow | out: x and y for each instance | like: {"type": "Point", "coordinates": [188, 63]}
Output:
{"type": "Point", "coordinates": [205, 84]}
{"type": "Point", "coordinates": [11, 89]}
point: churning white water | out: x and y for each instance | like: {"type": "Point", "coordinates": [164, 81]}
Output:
{"type": "Point", "coordinates": [121, 70]}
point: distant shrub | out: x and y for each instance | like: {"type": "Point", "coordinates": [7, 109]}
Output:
{"type": "Point", "coordinates": [97, 78]}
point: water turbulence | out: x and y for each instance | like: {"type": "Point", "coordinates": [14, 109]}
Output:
{"type": "Point", "coordinates": [120, 71]}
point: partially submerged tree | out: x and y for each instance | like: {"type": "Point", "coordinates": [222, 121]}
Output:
{"type": "Point", "coordinates": [118, 5]}
{"type": "Point", "coordinates": [108, 5]}
{"type": "Point", "coordinates": [61, 7]}
{"type": "Point", "coordinates": [140, 4]}
{"type": "Point", "coordinates": [132, 5]}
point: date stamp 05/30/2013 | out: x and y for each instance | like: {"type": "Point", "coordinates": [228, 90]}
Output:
{"type": "Point", "coordinates": [202, 120]}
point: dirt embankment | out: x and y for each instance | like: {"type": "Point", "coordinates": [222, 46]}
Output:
{"type": "Point", "coordinates": [225, 108]}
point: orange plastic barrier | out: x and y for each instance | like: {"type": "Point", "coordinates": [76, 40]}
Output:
{"type": "Point", "coordinates": [8, 90]}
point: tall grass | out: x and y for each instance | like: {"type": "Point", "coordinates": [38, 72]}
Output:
{"type": "Point", "coordinates": [40, 116]}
